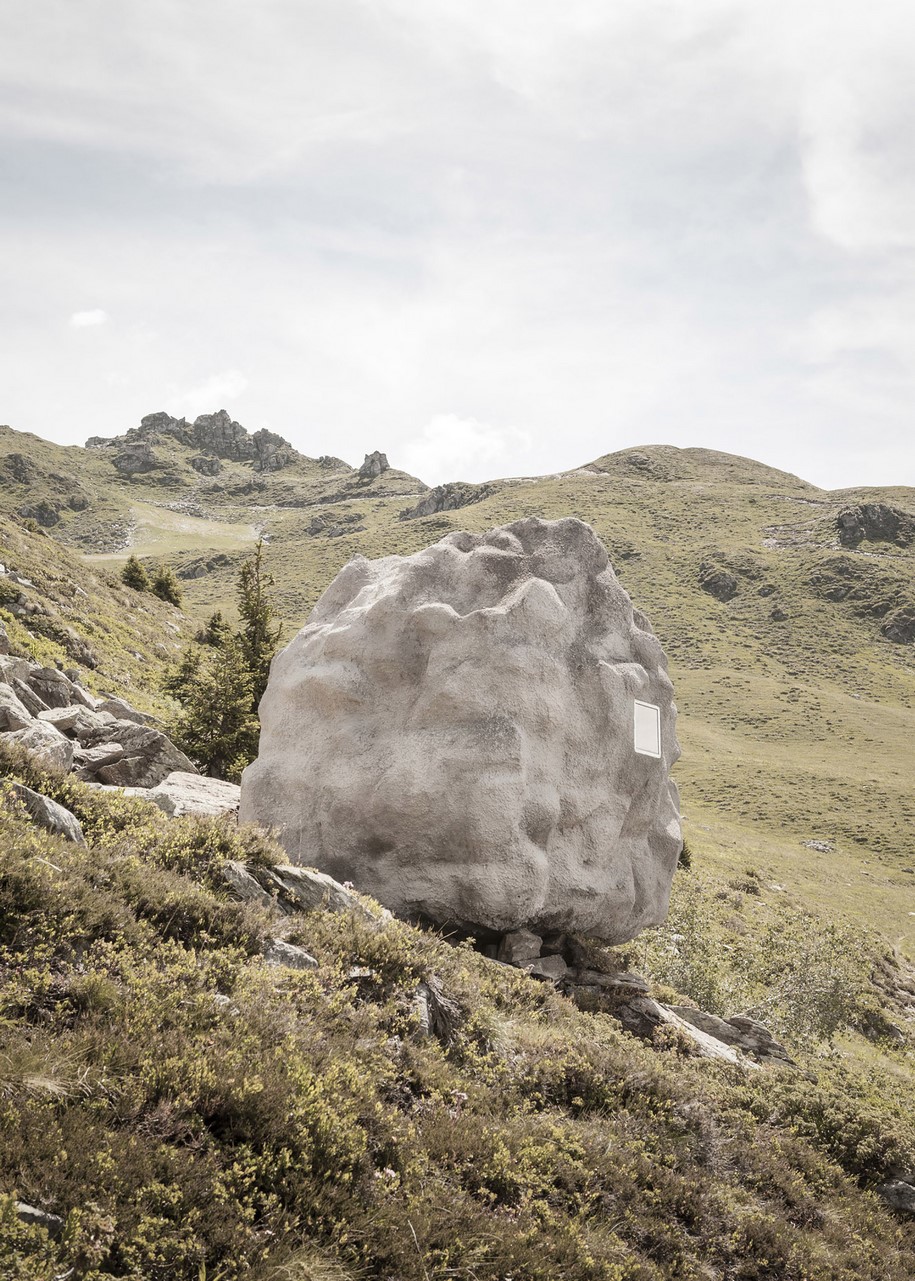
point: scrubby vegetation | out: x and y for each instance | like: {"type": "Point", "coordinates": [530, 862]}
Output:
{"type": "Point", "coordinates": [191, 1112]}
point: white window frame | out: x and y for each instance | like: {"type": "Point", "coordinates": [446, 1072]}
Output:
{"type": "Point", "coordinates": [643, 751]}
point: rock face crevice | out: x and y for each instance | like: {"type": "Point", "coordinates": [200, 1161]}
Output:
{"type": "Point", "coordinates": [453, 732]}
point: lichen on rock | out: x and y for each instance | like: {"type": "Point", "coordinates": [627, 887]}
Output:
{"type": "Point", "coordinates": [452, 731]}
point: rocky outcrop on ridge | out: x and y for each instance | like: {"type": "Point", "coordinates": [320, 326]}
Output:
{"type": "Point", "coordinates": [375, 465]}
{"type": "Point", "coordinates": [447, 498]}
{"type": "Point", "coordinates": [217, 436]}
{"type": "Point", "coordinates": [453, 732]}
{"type": "Point", "coordinates": [875, 523]}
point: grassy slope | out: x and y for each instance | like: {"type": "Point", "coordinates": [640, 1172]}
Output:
{"type": "Point", "coordinates": [131, 635]}
{"type": "Point", "coordinates": [791, 731]}
{"type": "Point", "coordinates": [578, 1152]}
{"type": "Point", "coordinates": [193, 1114]}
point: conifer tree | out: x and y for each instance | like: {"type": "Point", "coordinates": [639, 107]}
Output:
{"type": "Point", "coordinates": [217, 727]}
{"type": "Point", "coordinates": [216, 631]}
{"type": "Point", "coordinates": [165, 585]}
{"type": "Point", "coordinates": [135, 575]}
{"type": "Point", "coordinates": [260, 632]}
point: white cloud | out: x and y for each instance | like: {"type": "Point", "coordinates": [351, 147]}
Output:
{"type": "Point", "coordinates": [88, 319]}
{"type": "Point", "coordinates": [212, 394]}
{"type": "Point", "coordinates": [453, 448]}
{"type": "Point", "coordinates": [605, 224]}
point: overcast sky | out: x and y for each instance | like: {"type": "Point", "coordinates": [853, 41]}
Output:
{"type": "Point", "coordinates": [489, 237]}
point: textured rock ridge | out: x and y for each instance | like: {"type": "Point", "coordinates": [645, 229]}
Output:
{"type": "Point", "coordinates": [452, 731]}
{"type": "Point", "coordinates": [218, 435]}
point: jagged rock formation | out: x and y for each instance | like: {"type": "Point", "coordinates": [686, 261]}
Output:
{"type": "Point", "coordinates": [446, 498]}
{"type": "Point", "coordinates": [374, 465]}
{"type": "Point", "coordinates": [453, 732]}
{"type": "Point", "coordinates": [216, 435]}
{"type": "Point", "coordinates": [875, 522]}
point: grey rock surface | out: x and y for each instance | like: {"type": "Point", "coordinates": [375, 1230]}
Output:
{"type": "Point", "coordinates": [45, 742]}
{"type": "Point", "coordinates": [48, 814]}
{"type": "Point", "coordinates": [51, 686]}
{"type": "Point", "coordinates": [183, 793]}
{"type": "Point", "coordinates": [244, 886]}
{"type": "Point", "coordinates": [453, 733]}
{"type": "Point", "coordinates": [147, 756]}
{"type": "Point", "coordinates": [13, 712]}
{"type": "Point", "coordinates": [53, 1224]}
{"type": "Point", "coordinates": [446, 498]}
{"type": "Point", "coordinates": [374, 465]}
{"type": "Point", "coordinates": [279, 952]}
{"type": "Point", "coordinates": [876, 522]}
{"type": "Point", "coordinates": [899, 1194]}
{"type": "Point", "coordinates": [121, 710]}
{"type": "Point", "coordinates": [520, 947]}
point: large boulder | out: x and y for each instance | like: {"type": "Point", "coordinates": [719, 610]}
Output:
{"type": "Point", "coordinates": [453, 732]}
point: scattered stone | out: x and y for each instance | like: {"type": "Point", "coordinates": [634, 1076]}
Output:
{"type": "Point", "coordinates": [244, 886]}
{"type": "Point", "coordinates": [13, 669]}
{"type": "Point", "coordinates": [183, 793]}
{"type": "Point", "coordinates": [900, 626]}
{"type": "Point", "coordinates": [13, 714]}
{"type": "Point", "coordinates": [643, 1016]}
{"type": "Point", "coordinates": [4, 640]}
{"type": "Point", "coordinates": [53, 1224]}
{"type": "Point", "coordinates": [148, 757]}
{"type": "Point", "coordinates": [306, 889]}
{"type": "Point", "coordinates": [139, 457]}
{"type": "Point", "coordinates": [122, 711]}
{"type": "Point", "coordinates": [621, 980]}
{"type": "Point", "coordinates": [741, 1031]}
{"type": "Point", "coordinates": [552, 967]}
{"type": "Point", "coordinates": [51, 686]}
{"type": "Point", "coordinates": [821, 847]}
{"type": "Point", "coordinates": [88, 761]}
{"type": "Point", "coordinates": [520, 948]}
{"type": "Point", "coordinates": [48, 814]}
{"type": "Point", "coordinates": [437, 1014]}
{"type": "Point", "coordinates": [70, 720]}
{"type": "Point", "coordinates": [45, 742]}
{"type": "Point", "coordinates": [279, 952]}
{"type": "Point", "coordinates": [206, 464]}
{"type": "Point", "coordinates": [486, 686]}
{"type": "Point", "coordinates": [899, 1194]}
{"type": "Point", "coordinates": [27, 696]}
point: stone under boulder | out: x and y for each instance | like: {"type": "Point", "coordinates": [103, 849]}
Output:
{"type": "Point", "coordinates": [453, 733]}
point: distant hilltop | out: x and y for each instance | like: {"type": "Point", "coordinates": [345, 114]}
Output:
{"type": "Point", "coordinates": [218, 436]}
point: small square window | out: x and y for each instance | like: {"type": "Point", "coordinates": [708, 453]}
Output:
{"type": "Point", "coordinates": [647, 729]}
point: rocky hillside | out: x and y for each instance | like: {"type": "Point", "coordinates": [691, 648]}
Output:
{"type": "Point", "coordinates": [788, 612]}
{"type": "Point", "coordinates": [215, 1066]}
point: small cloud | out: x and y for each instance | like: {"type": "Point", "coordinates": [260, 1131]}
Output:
{"type": "Point", "coordinates": [212, 394]}
{"type": "Point", "coordinates": [453, 448]}
{"type": "Point", "coordinates": [86, 319]}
